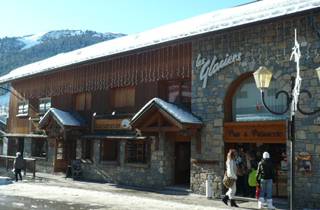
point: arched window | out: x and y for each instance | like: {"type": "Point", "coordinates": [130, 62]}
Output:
{"type": "Point", "coordinates": [247, 104]}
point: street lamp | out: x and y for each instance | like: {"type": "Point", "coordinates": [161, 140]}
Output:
{"type": "Point", "coordinates": [262, 78]}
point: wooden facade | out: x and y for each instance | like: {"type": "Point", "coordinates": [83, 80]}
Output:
{"type": "Point", "coordinates": [147, 73]}
{"type": "Point", "coordinates": [167, 63]}
{"type": "Point", "coordinates": [102, 92]}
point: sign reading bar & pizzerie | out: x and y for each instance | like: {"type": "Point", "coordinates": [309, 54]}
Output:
{"type": "Point", "coordinates": [212, 66]}
{"type": "Point", "coordinates": [255, 132]}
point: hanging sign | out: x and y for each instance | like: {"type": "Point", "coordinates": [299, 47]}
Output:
{"type": "Point", "coordinates": [211, 66]}
{"type": "Point", "coordinates": [111, 124]}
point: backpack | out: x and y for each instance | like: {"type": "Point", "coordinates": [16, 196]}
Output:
{"type": "Point", "coordinates": [252, 181]}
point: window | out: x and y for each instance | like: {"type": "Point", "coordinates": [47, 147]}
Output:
{"type": "Point", "coordinates": [109, 150]}
{"type": "Point", "coordinates": [247, 104]}
{"type": "Point", "coordinates": [87, 148]}
{"type": "Point", "coordinates": [83, 101]}
{"type": "Point", "coordinates": [124, 97]}
{"type": "Point", "coordinates": [23, 108]}
{"type": "Point", "coordinates": [179, 92]}
{"type": "Point", "coordinates": [39, 147]}
{"type": "Point", "coordinates": [137, 152]}
{"type": "Point", "coordinates": [44, 105]}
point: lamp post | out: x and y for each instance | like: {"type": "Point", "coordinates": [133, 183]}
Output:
{"type": "Point", "coordinates": [262, 78]}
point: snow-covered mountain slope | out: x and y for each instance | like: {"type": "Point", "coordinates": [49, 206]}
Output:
{"type": "Point", "coordinates": [19, 51]}
{"type": "Point", "coordinates": [35, 39]}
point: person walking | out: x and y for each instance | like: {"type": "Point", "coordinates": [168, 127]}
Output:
{"type": "Point", "coordinates": [231, 173]}
{"type": "Point", "coordinates": [18, 165]}
{"type": "Point", "coordinates": [265, 176]}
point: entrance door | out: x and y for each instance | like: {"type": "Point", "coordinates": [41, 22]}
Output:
{"type": "Point", "coordinates": [249, 156]}
{"type": "Point", "coordinates": [60, 162]}
{"type": "Point", "coordinates": [182, 163]}
{"type": "Point", "coordinates": [65, 153]}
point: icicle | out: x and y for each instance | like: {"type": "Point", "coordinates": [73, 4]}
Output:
{"type": "Point", "coordinates": [152, 70]}
{"type": "Point", "coordinates": [162, 63]}
{"type": "Point", "coordinates": [112, 74]}
{"type": "Point", "coordinates": [153, 66]}
{"type": "Point", "coordinates": [150, 66]}
{"type": "Point", "coordinates": [158, 64]}
{"type": "Point", "coordinates": [142, 67]}
{"type": "Point", "coordinates": [167, 64]}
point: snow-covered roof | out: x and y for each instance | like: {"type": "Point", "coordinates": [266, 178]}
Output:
{"type": "Point", "coordinates": [214, 21]}
{"type": "Point", "coordinates": [63, 118]}
{"type": "Point", "coordinates": [173, 110]}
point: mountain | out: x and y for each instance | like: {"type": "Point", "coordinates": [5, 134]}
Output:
{"type": "Point", "coordinates": [19, 51]}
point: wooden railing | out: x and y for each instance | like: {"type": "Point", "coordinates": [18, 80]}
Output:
{"type": "Point", "coordinates": [7, 162]}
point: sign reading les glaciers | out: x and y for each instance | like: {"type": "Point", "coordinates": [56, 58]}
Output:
{"type": "Point", "coordinates": [211, 66]}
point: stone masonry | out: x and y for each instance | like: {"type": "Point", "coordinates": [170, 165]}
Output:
{"type": "Point", "coordinates": [157, 173]}
{"type": "Point", "coordinates": [269, 44]}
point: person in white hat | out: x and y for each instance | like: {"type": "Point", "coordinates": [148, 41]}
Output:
{"type": "Point", "coordinates": [265, 176]}
{"type": "Point", "coordinates": [18, 165]}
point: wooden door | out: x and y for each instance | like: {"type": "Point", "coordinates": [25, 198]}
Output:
{"type": "Point", "coordinates": [60, 162]}
{"type": "Point", "coordinates": [182, 163]}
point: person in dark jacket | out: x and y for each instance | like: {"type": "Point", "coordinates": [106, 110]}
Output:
{"type": "Point", "coordinates": [18, 165]}
{"type": "Point", "coordinates": [265, 176]}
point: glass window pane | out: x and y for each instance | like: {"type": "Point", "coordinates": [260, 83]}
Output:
{"type": "Point", "coordinates": [247, 104]}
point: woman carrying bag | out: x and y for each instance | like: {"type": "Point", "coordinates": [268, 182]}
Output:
{"type": "Point", "coordinates": [230, 178]}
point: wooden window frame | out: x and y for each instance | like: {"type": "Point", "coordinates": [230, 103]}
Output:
{"type": "Point", "coordinates": [25, 109]}
{"type": "Point", "coordinates": [44, 101]}
{"type": "Point", "coordinates": [117, 152]}
{"type": "Point", "coordinates": [85, 152]}
{"type": "Point", "coordinates": [121, 96]}
{"type": "Point", "coordinates": [45, 145]}
{"type": "Point", "coordinates": [180, 99]}
{"type": "Point", "coordinates": [146, 156]}
{"type": "Point", "coordinates": [83, 101]}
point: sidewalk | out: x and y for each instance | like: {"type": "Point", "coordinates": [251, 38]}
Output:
{"type": "Point", "coordinates": [171, 194]}
{"type": "Point", "coordinates": [177, 195]}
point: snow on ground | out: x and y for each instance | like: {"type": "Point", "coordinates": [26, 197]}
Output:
{"type": "Point", "coordinates": [85, 196]}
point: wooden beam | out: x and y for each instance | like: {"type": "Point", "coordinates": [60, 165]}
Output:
{"type": "Point", "coordinates": [149, 121]}
{"type": "Point", "coordinates": [158, 129]}
{"type": "Point", "coordinates": [171, 119]}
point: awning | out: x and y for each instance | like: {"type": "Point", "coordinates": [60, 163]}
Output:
{"type": "Point", "coordinates": [63, 118]}
{"type": "Point", "coordinates": [26, 135]}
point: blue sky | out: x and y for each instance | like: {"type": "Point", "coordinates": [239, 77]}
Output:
{"type": "Point", "coordinates": [23, 17]}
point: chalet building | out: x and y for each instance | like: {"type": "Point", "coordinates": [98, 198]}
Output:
{"type": "Point", "coordinates": [164, 106]}
{"type": "Point", "coordinates": [82, 110]}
